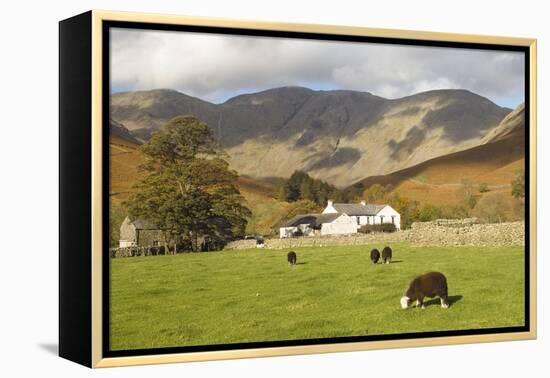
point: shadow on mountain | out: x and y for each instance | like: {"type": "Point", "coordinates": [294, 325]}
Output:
{"type": "Point", "coordinates": [342, 156]}
{"type": "Point", "coordinates": [400, 150]}
{"type": "Point", "coordinates": [465, 116]}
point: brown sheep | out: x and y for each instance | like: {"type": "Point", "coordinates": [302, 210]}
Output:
{"type": "Point", "coordinates": [291, 258]}
{"type": "Point", "coordinates": [427, 285]}
{"type": "Point", "coordinates": [386, 255]}
{"type": "Point", "coordinates": [374, 255]}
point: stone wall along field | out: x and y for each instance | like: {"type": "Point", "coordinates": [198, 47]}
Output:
{"type": "Point", "coordinates": [442, 232]}
{"type": "Point", "coordinates": [465, 232]}
{"type": "Point", "coordinates": [320, 241]}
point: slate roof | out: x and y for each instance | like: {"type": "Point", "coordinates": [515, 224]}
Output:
{"type": "Point", "coordinates": [358, 209]}
{"type": "Point", "coordinates": [314, 220]}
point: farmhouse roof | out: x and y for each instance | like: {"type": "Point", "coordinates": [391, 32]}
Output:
{"type": "Point", "coordinates": [314, 220]}
{"type": "Point", "coordinates": [358, 209]}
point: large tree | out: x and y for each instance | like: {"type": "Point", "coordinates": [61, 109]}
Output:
{"type": "Point", "coordinates": [189, 192]}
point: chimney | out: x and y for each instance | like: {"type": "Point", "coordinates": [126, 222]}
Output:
{"type": "Point", "coordinates": [363, 203]}
{"type": "Point", "coordinates": [329, 203]}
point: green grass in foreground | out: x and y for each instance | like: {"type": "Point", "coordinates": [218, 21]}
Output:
{"type": "Point", "coordinates": [254, 295]}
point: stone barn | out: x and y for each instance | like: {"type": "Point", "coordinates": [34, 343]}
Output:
{"type": "Point", "coordinates": [139, 232]}
{"type": "Point", "coordinates": [142, 233]}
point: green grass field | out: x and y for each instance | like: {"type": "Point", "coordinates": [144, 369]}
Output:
{"type": "Point", "coordinates": [254, 295]}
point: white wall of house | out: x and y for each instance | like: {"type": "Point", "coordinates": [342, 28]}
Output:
{"type": "Point", "coordinates": [128, 234]}
{"type": "Point", "coordinates": [329, 209]}
{"type": "Point", "coordinates": [388, 215]}
{"type": "Point", "coordinates": [342, 225]}
{"type": "Point", "coordinates": [364, 219]}
{"type": "Point", "coordinates": [287, 232]}
{"type": "Point", "coordinates": [126, 243]}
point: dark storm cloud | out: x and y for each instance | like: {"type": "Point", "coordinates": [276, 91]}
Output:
{"type": "Point", "coordinates": [215, 67]}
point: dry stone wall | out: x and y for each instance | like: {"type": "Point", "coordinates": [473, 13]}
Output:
{"type": "Point", "coordinates": [447, 232]}
{"type": "Point", "coordinates": [320, 241]}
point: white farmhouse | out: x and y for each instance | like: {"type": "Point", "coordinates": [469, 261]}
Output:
{"type": "Point", "coordinates": [318, 224]}
{"type": "Point", "coordinates": [339, 219]}
{"type": "Point", "coordinates": [364, 213]}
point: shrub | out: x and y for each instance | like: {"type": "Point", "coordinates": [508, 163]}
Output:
{"type": "Point", "coordinates": [428, 212]}
{"type": "Point", "coordinates": [384, 227]}
{"type": "Point", "coordinates": [494, 208]}
{"type": "Point", "coordinates": [518, 185]}
{"type": "Point", "coordinates": [483, 188]}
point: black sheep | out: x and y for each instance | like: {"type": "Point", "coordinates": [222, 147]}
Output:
{"type": "Point", "coordinates": [291, 258]}
{"type": "Point", "coordinates": [374, 255]}
{"type": "Point", "coordinates": [427, 285]}
{"type": "Point", "coordinates": [386, 255]}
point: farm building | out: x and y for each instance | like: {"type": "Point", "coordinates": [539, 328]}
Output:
{"type": "Point", "coordinates": [138, 232]}
{"type": "Point", "coordinates": [339, 219]}
{"type": "Point", "coordinates": [364, 213]}
{"type": "Point", "coordinates": [142, 233]}
{"type": "Point", "coordinates": [318, 224]}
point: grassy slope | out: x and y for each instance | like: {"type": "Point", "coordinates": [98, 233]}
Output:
{"type": "Point", "coordinates": [125, 158]}
{"type": "Point", "coordinates": [266, 210]}
{"type": "Point", "coordinates": [437, 181]}
{"type": "Point", "coordinates": [253, 295]}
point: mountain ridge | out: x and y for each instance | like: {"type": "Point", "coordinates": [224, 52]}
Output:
{"type": "Point", "coordinates": [339, 135]}
{"type": "Point", "coordinates": [495, 163]}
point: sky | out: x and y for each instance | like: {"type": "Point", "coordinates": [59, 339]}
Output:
{"type": "Point", "coordinates": [216, 67]}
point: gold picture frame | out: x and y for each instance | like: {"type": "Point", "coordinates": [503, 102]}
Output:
{"type": "Point", "coordinates": [85, 276]}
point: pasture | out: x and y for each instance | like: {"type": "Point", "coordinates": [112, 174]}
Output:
{"type": "Point", "coordinates": [254, 295]}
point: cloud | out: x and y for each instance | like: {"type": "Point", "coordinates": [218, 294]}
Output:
{"type": "Point", "coordinates": [214, 67]}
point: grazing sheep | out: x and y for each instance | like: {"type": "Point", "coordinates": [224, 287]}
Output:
{"type": "Point", "coordinates": [427, 285]}
{"type": "Point", "coordinates": [291, 258]}
{"type": "Point", "coordinates": [386, 255]}
{"type": "Point", "coordinates": [374, 255]}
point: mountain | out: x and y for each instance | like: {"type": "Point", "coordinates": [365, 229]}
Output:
{"type": "Point", "coordinates": [119, 130]}
{"type": "Point", "coordinates": [495, 163]}
{"type": "Point", "coordinates": [339, 136]}
{"type": "Point", "coordinates": [511, 127]}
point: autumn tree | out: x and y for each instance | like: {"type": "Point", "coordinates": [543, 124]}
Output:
{"type": "Point", "coordinates": [377, 193]}
{"type": "Point", "coordinates": [493, 208]}
{"type": "Point", "coordinates": [466, 194]}
{"type": "Point", "coordinates": [518, 185]}
{"type": "Point", "coordinates": [428, 212]}
{"type": "Point", "coordinates": [188, 191]}
{"type": "Point", "coordinates": [407, 208]}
